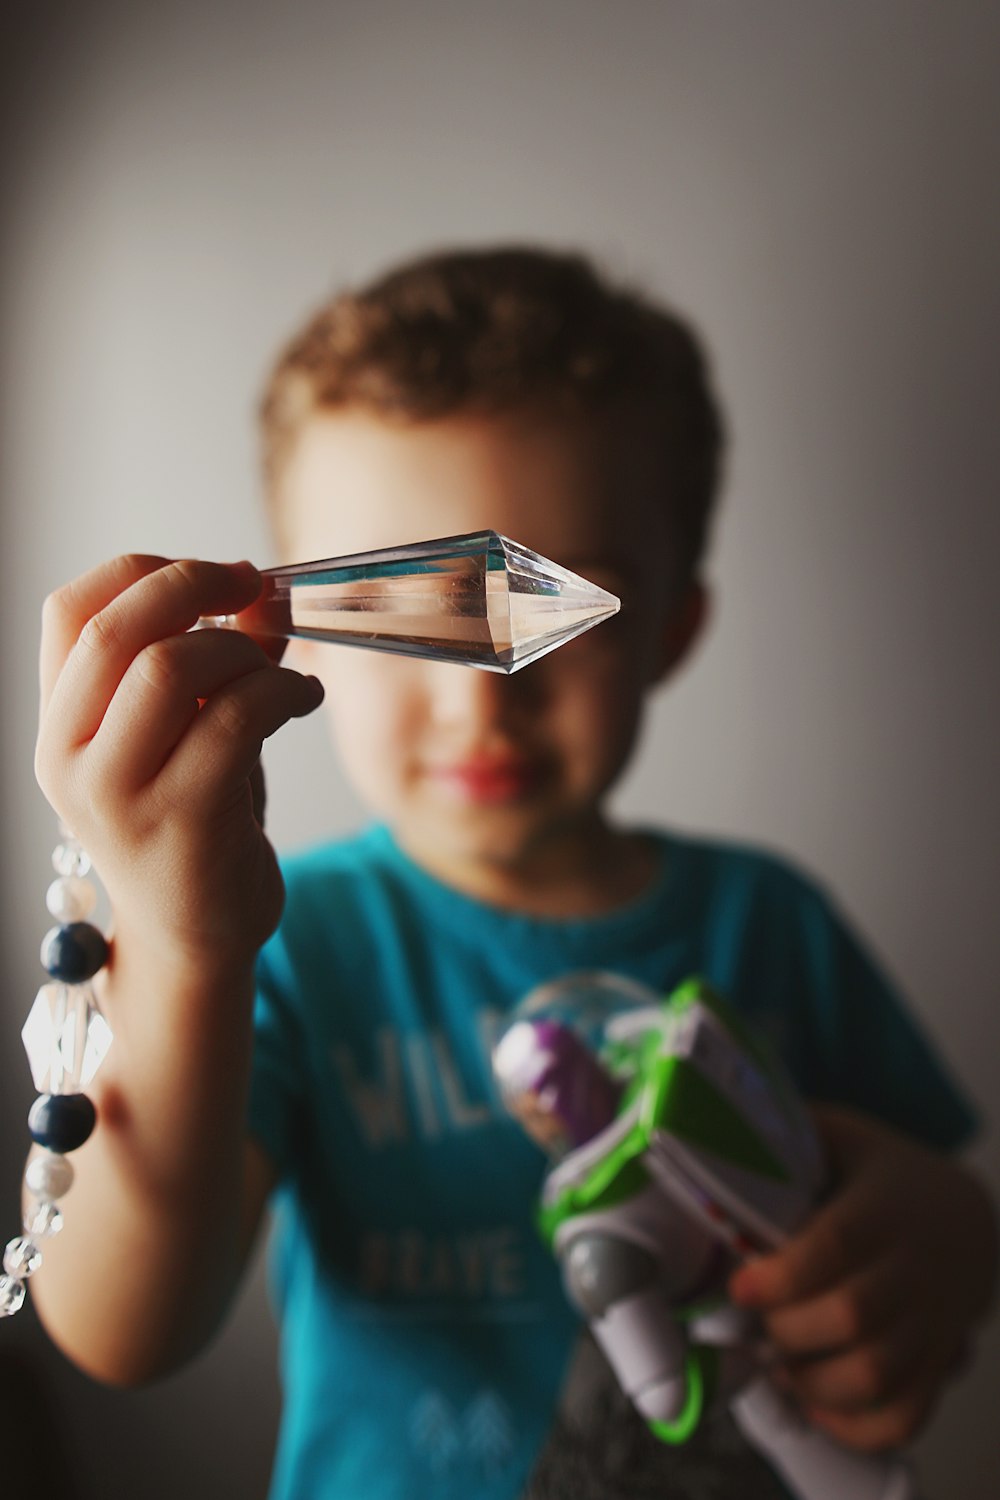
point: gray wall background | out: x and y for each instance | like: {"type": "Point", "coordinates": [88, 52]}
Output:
{"type": "Point", "coordinates": [816, 184]}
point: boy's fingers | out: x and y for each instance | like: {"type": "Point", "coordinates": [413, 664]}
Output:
{"type": "Point", "coordinates": [842, 1316]}
{"type": "Point", "coordinates": [163, 603]}
{"type": "Point", "coordinates": [893, 1424]}
{"type": "Point", "coordinates": [862, 1377]}
{"type": "Point", "coordinates": [222, 747]}
{"type": "Point", "coordinates": [268, 620]}
{"type": "Point", "coordinates": [158, 700]}
{"type": "Point", "coordinates": [67, 610]}
{"type": "Point", "coordinates": [835, 1243]}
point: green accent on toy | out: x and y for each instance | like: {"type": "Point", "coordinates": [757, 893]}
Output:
{"type": "Point", "coordinates": [697, 989]}
{"type": "Point", "coordinates": [680, 1100]}
{"type": "Point", "coordinates": [618, 1177]}
{"type": "Point", "coordinates": [626, 1060]}
{"type": "Point", "coordinates": [674, 1097]}
{"type": "Point", "coordinates": [700, 1371]}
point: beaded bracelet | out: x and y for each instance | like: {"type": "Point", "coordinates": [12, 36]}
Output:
{"type": "Point", "coordinates": [66, 1039]}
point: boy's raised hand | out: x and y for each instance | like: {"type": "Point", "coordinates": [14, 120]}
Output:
{"type": "Point", "coordinates": [148, 748]}
{"type": "Point", "coordinates": [870, 1305]}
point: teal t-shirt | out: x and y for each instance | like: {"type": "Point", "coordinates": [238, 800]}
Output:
{"type": "Point", "coordinates": [426, 1340]}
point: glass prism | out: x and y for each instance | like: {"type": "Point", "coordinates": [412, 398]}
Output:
{"type": "Point", "coordinates": [480, 599]}
{"type": "Point", "coordinates": [66, 1038]}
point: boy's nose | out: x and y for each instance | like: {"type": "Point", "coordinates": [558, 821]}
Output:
{"type": "Point", "coordinates": [469, 698]}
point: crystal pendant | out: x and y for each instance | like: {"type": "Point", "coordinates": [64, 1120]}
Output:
{"type": "Point", "coordinates": [66, 1038]}
{"type": "Point", "coordinates": [481, 599]}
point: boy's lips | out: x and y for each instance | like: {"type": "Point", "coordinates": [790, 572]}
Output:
{"type": "Point", "coordinates": [488, 778]}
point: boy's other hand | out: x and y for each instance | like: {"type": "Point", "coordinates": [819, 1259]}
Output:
{"type": "Point", "coordinates": [149, 742]}
{"type": "Point", "coordinates": [870, 1305]}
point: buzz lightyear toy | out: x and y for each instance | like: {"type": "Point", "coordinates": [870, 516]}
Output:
{"type": "Point", "coordinates": [680, 1148]}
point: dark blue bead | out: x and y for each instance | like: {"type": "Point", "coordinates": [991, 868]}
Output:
{"type": "Point", "coordinates": [61, 1122]}
{"type": "Point", "coordinates": [74, 952]}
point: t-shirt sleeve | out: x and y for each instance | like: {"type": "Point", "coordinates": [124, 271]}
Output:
{"type": "Point", "coordinates": [870, 1050]}
{"type": "Point", "coordinates": [275, 1104]}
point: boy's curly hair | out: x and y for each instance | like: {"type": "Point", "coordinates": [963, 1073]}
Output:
{"type": "Point", "coordinates": [500, 330]}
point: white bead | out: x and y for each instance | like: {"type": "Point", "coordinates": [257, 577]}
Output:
{"type": "Point", "coordinates": [11, 1295]}
{"type": "Point", "coordinates": [49, 1176]}
{"type": "Point", "coordinates": [43, 1220]}
{"type": "Point", "coordinates": [21, 1258]}
{"type": "Point", "coordinates": [71, 899]}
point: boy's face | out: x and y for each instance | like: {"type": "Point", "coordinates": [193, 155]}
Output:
{"type": "Point", "coordinates": [472, 766]}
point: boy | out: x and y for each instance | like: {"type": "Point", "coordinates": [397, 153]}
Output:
{"type": "Point", "coordinates": [427, 1345]}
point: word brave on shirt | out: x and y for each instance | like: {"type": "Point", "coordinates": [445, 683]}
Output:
{"type": "Point", "coordinates": [477, 1264]}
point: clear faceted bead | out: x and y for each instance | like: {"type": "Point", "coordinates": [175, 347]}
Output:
{"type": "Point", "coordinates": [43, 1220]}
{"type": "Point", "coordinates": [22, 1257]}
{"type": "Point", "coordinates": [66, 1038]}
{"type": "Point", "coordinates": [71, 898]}
{"type": "Point", "coordinates": [69, 859]}
{"type": "Point", "coordinates": [11, 1295]}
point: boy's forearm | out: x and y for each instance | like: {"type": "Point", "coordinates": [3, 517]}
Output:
{"type": "Point", "coordinates": [150, 1252]}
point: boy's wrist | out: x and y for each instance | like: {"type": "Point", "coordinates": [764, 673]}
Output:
{"type": "Point", "coordinates": [182, 1051]}
{"type": "Point", "coordinates": [157, 976]}
{"type": "Point", "coordinates": [179, 960]}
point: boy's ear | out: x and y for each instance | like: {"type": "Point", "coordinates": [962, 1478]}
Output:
{"type": "Point", "coordinates": [684, 623]}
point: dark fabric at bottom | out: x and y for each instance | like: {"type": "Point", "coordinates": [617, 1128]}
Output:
{"type": "Point", "coordinates": [600, 1449]}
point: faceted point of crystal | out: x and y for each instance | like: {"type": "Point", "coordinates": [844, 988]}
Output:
{"type": "Point", "coordinates": [22, 1257]}
{"type": "Point", "coordinates": [11, 1295]}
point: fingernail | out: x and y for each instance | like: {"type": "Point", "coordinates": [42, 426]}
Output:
{"type": "Point", "coordinates": [245, 566]}
{"type": "Point", "coordinates": [316, 689]}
